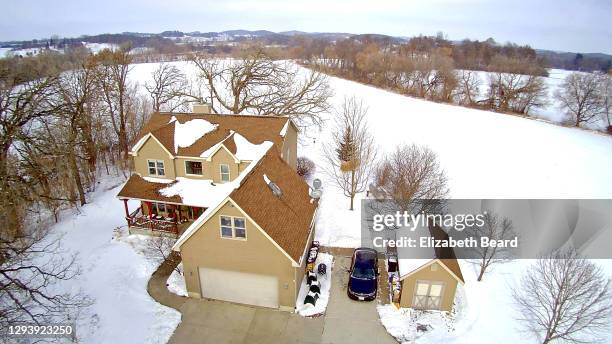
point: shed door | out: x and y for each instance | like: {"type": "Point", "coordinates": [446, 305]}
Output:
{"type": "Point", "coordinates": [428, 295]}
{"type": "Point", "coordinates": [239, 287]}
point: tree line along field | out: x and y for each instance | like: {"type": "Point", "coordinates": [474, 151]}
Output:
{"type": "Point", "coordinates": [65, 128]}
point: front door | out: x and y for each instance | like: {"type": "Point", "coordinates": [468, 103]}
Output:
{"type": "Point", "coordinates": [428, 295]}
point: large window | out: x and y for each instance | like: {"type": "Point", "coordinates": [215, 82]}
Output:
{"type": "Point", "coordinates": [233, 227]}
{"type": "Point", "coordinates": [225, 172]}
{"type": "Point", "coordinates": [193, 167]}
{"type": "Point", "coordinates": [156, 167]}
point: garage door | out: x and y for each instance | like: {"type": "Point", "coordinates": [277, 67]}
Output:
{"type": "Point", "coordinates": [239, 287]}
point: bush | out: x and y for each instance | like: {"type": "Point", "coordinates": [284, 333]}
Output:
{"type": "Point", "coordinates": [609, 129]}
{"type": "Point", "coordinates": [305, 167]}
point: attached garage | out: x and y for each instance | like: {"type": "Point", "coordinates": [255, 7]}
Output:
{"type": "Point", "coordinates": [239, 287]}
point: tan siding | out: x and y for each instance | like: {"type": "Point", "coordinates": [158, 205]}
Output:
{"type": "Point", "coordinates": [256, 255]}
{"type": "Point", "coordinates": [180, 168]}
{"type": "Point", "coordinates": [426, 274]}
{"type": "Point", "coordinates": [222, 157]}
{"type": "Point", "coordinates": [289, 149]}
{"type": "Point", "coordinates": [154, 151]}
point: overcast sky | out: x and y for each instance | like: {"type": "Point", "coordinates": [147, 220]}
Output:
{"type": "Point", "coordinates": [578, 25]}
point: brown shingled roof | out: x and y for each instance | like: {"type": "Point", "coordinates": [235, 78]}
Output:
{"type": "Point", "coordinates": [446, 254]}
{"type": "Point", "coordinates": [256, 129]}
{"type": "Point", "coordinates": [138, 188]}
{"type": "Point", "coordinates": [286, 219]}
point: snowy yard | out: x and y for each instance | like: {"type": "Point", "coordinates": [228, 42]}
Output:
{"type": "Point", "coordinates": [115, 273]}
{"type": "Point", "coordinates": [325, 286]}
{"type": "Point", "coordinates": [485, 155]}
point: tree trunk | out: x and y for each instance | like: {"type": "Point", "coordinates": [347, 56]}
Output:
{"type": "Point", "coordinates": [77, 178]}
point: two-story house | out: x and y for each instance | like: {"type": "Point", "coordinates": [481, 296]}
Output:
{"type": "Point", "coordinates": [226, 186]}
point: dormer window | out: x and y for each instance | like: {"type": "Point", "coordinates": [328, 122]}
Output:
{"type": "Point", "coordinates": [156, 167]}
{"type": "Point", "coordinates": [225, 172]}
{"type": "Point", "coordinates": [193, 167]}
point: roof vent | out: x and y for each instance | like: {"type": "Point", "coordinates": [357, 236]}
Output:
{"type": "Point", "coordinates": [276, 190]}
{"type": "Point", "coordinates": [316, 191]}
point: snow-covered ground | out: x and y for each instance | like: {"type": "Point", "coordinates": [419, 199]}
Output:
{"type": "Point", "coordinates": [320, 306]}
{"type": "Point", "coordinates": [176, 282]}
{"type": "Point", "coordinates": [551, 111]}
{"type": "Point", "coordinates": [114, 274]}
{"type": "Point", "coordinates": [485, 155]}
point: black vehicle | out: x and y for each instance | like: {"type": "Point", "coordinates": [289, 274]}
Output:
{"type": "Point", "coordinates": [363, 275]}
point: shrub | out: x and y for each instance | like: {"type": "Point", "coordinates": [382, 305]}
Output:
{"type": "Point", "coordinates": [609, 129]}
{"type": "Point", "coordinates": [305, 167]}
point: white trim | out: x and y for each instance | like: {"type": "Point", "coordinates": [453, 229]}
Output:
{"type": "Point", "coordinates": [155, 167]}
{"type": "Point", "coordinates": [191, 174]}
{"type": "Point", "coordinates": [199, 223]}
{"type": "Point", "coordinates": [264, 233]}
{"type": "Point", "coordinates": [221, 145]}
{"type": "Point", "coordinates": [428, 264]}
{"type": "Point", "coordinates": [141, 142]}
{"type": "Point", "coordinates": [229, 173]}
{"type": "Point", "coordinates": [233, 227]}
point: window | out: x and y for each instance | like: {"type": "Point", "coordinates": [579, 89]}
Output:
{"type": "Point", "coordinates": [193, 167]}
{"type": "Point", "coordinates": [225, 172]}
{"type": "Point", "coordinates": [233, 227]}
{"type": "Point", "coordinates": [156, 167]}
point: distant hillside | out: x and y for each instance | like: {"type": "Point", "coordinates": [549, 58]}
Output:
{"type": "Point", "coordinates": [554, 59]}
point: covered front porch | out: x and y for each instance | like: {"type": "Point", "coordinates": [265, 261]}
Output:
{"type": "Point", "coordinates": [159, 218]}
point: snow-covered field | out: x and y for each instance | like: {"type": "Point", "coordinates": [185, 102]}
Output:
{"type": "Point", "coordinates": [485, 155]}
{"type": "Point", "coordinates": [114, 274]}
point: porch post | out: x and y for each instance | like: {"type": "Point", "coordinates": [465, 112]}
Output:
{"type": "Point", "coordinates": [148, 206]}
{"type": "Point", "coordinates": [125, 205]}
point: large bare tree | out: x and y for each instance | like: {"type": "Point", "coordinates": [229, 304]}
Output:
{"type": "Point", "coordinates": [580, 97]}
{"type": "Point", "coordinates": [256, 84]}
{"type": "Point", "coordinates": [411, 177]}
{"type": "Point", "coordinates": [169, 88]}
{"type": "Point", "coordinates": [351, 154]}
{"type": "Point", "coordinates": [564, 297]}
{"type": "Point", "coordinates": [112, 79]}
{"type": "Point", "coordinates": [494, 228]}
{"type": "Point", "coordinates": [32, 263]}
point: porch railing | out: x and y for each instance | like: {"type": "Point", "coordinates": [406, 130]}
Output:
{"type": "Point", "coordinates": [137, 219]}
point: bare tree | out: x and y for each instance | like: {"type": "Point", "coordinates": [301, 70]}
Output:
{"type": "Point", "coordinates": [159, 249]}
{"type": "Point", "coordinates": [31, 265]}
{"type": "Point", "coordinates": [411, 177]}
{"type": "Point", "coordinates": [515, 85]}
{"type": "Point", "coordinates": [169, 88]}
{"type": "Point", "coordinates": [564, 297]}
{"type": "Point", "coordinates": [112, 78]}
{"type": "Point", "coordinates": [606, 101]}
{"type": "Point", "coordinates": [580, 97]}
{"type": "Point", "coordinates": [258, 85]}
{"type": "Point", "coordinates": [494, 229]}
{"type": "Point", "coordinates": [351, 154]}
{"type": "Point", "coordinates": [468, 87]}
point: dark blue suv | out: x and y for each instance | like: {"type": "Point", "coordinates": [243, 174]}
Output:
{"type": "Point", "coordinates": [363, 276]}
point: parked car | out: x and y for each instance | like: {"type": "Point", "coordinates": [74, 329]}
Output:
{"type": "Point", "coordinates": [363, 275]}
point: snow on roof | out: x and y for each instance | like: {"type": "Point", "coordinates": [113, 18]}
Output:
{"type": "Point", "coordinates": [198, 192]}
{"type": "Point", "coordinates": [207, 153]}
{"type": "Point", "coordinates": [283, 131]}
{"type": "Point", "coordinates": [210, 198]}
{"type": "Point", "coordinates": [139, 143]}
{"type": "Point", "coordinates": [412, 258]}
{"type": "Point", "coordinates": [187, 133]}
{"type": "Point", "coordinates": [158, 180]}
{"type": "Point", "coordinates": [246, 150]}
